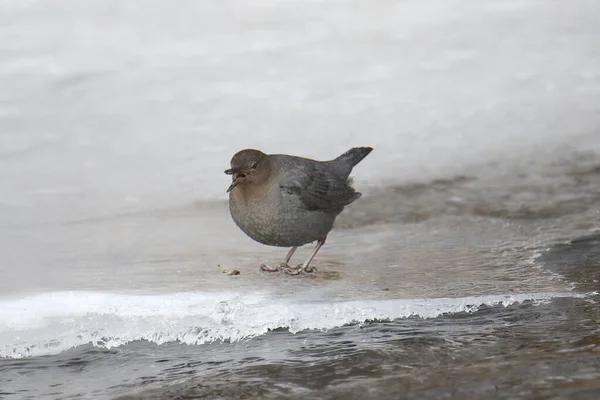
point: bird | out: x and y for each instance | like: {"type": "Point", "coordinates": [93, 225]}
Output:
{"type": "Point", "coordinates": [289, 201]}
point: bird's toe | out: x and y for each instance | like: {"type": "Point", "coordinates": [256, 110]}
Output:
{"type": "Point", "coordinates": [266, 268]}
{"type": "Point", "coordinates": [292, 270]}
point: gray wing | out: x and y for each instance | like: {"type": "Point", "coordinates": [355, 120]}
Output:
{"type": "Point", "coordinates": [319, 187]}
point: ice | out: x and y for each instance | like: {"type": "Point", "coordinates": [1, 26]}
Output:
{"type": "Point", "coordinates": [53, 322]}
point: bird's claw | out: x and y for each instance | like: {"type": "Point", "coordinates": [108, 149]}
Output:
{"type": "Point", "coordinates": [310, 269]}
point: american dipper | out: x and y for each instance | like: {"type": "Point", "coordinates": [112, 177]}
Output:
{"type": "Point", "coordinates": [289, 201]}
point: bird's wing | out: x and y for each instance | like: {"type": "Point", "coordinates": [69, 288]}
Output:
{"type": "Point", "coordinates": [318, 188]}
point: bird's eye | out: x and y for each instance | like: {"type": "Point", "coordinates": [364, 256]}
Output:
{"type": "Point", "coordinates": [254, 166]}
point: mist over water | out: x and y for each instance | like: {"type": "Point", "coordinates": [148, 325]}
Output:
{"type": "Point", "coordinates": [467, 269]}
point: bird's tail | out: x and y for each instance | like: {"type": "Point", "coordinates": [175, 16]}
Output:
{"type": "Point", "coordinates": [354, 155]}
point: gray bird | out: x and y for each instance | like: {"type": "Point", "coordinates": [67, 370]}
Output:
{"type": "Point", "coordinates": [288, 201]}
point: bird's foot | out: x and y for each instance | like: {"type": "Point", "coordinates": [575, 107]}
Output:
{"type": "Point", "coordinates": [277, 268]}
{"type": "Point", "coordinates": [300, 269]}
{"type": "Point", "coordinates": [283, 267]}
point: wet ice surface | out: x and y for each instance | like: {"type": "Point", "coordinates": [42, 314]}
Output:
{"type": "Point", "coordinates": [461, 236]}
{"type": "Point", "coordinates": [452, 277]}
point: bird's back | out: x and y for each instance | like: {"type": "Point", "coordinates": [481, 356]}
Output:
{"type": "Point", "coordinates": [319, 185]}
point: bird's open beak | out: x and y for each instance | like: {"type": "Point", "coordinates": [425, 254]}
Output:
{"type": "Point", "coordinates": [233, 184]}
{"type": "Point", "coordinates": [236, 178]}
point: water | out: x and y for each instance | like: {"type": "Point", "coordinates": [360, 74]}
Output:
{"type": "Point", "coordinates": [468, 269]}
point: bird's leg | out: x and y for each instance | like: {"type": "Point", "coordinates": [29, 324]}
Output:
{"type": "Point", "coordinates": [306, 266]}
{"type": "Point", "coordinates": [289, 255]}
{"type": "Point", "coordinates": [281, 266]}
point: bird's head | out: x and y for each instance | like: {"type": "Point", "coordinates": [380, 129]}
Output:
{"type": "Point", "coordinates": [248, 166]}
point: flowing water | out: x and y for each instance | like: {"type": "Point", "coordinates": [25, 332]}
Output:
{"type": "Point", "coordinates": [469, 269]}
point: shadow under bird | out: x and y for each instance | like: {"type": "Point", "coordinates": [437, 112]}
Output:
{"type": "Point", "coordinates": [288, 201]}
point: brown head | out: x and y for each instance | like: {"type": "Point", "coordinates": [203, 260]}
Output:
{"type": "Point", "coordinates": [248, 167]}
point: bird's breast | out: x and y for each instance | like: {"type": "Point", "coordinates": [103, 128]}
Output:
{"type": "Point", "coordinates": [276, 220]}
